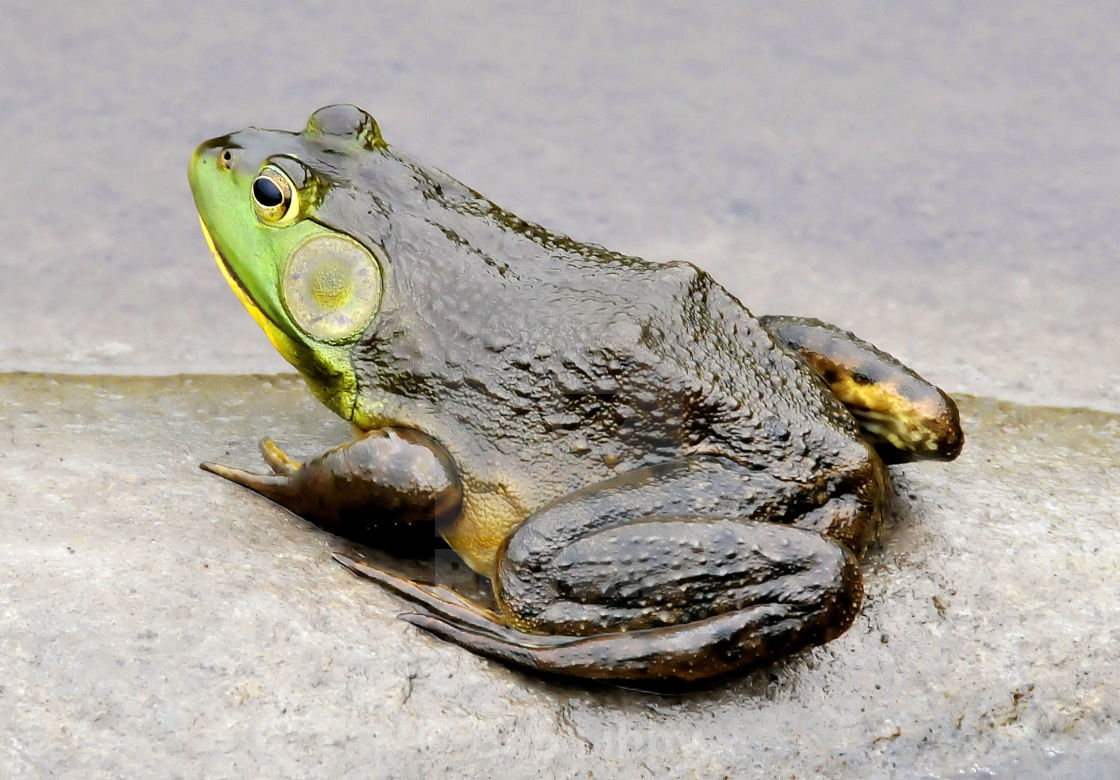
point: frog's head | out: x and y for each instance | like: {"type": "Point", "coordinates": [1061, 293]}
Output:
{"type": "Point", "coordinates": [275, 208]}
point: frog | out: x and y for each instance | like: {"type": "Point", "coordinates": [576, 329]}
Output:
{"type": "Point", "coordinates": [658, 486]}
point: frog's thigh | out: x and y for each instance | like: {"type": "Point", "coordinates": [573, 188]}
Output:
{"type": "Point", "coordinates": [596, 585]}
{"type": "Point", "coordinates": [903, 415]}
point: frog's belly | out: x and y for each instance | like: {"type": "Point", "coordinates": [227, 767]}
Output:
{"type": "Point", "coordinates": [499, 493]}
{"type": "Point", "coordinates": [487, 517]}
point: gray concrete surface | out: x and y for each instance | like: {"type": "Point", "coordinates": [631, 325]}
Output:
{"type": "Point", "coordinates": [159, 622]}
{"type": "Point", "coordinates": [943, 179]}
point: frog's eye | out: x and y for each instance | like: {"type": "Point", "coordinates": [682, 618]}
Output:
{"type": "Point", "coordinates": [331, 287]}
{"type": "Point", "coordinates": [275, 198]}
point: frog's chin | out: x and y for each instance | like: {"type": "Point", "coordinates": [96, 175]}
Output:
{"type": "Point", "coordinates": [279, 339]}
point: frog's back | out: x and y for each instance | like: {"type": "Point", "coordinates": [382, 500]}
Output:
{"type": "Point", "coordinates": [577, 363]}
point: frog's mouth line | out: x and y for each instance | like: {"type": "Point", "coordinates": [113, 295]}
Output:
{"type": "Point", "coordinates": [235, 283]}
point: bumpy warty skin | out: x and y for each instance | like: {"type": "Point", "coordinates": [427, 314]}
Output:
{"type": "Point", "coordinates": [562, 360]}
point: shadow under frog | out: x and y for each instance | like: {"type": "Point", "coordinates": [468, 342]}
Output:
{"type": "Point", "coordinates": [659, 486]}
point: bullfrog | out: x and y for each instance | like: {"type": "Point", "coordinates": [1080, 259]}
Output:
{"type": "Point", "coordinates": [658, 485]}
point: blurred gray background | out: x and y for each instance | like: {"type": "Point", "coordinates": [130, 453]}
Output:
{"type": "Point", "coordinates": [943, 179]}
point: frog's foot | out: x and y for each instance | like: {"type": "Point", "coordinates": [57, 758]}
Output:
{"type": "Point", "coordinates": [452, 617]}
{"type": "Point", "coordinates": [683, 654]}
{"type": "Point", "coordinates": [902, 415]}
{"type": "Point", "coordinates": [436, 599]}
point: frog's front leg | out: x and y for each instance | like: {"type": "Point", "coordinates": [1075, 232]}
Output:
{"type": "Point", "coordinates": [379, 488]}
{"type": "Point", "coordinates": [903, 415]}
{"type": "Point", "coordinates": [648, 577]}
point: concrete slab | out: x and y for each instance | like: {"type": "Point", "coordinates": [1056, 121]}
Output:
{"type": "Point", "coordinates": [158, 621]}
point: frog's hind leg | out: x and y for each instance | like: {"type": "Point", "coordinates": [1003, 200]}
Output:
{"type": "Point", "coordinates": [796, 589]}
{"type": "Point", "coordinates": [902, 415]}
{"type": "Point", "coordinates": [812, 600]}
{"type": "Point", "coordinates": [624, 581]}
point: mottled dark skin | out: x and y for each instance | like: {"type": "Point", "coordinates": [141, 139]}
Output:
{"type": "Point", "coordinates": [660, 487]}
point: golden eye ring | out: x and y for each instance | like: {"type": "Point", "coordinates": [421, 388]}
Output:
{"type": "Point", "coordinates": [275, 198]}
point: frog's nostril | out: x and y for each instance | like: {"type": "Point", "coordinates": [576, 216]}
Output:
{"type": "Point", "coordinates": [225, 160]}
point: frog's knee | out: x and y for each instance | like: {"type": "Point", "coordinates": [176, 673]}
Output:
{"type": "Point", "coordinates": [904, 416]}
{"type": "Point", "coordinates": [855, 498]}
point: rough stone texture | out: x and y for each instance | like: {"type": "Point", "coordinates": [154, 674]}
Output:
{"type": "Point", "coordinates": [158, 621]}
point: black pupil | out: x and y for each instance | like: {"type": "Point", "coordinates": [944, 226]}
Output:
{"type": "Point", "coordinates": [267, 193]}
